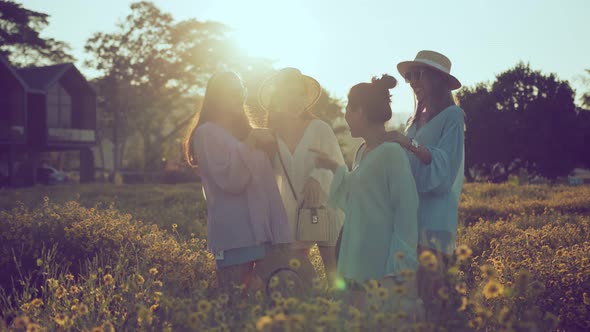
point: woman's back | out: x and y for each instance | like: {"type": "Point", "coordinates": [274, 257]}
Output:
{"type": "Point", "coordinates": [380, 201]}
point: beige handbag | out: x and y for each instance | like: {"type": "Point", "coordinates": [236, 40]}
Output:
{"type": "Point", "coordinates": [313, 224]}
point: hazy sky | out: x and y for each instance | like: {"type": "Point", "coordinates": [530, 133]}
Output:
{"type": "Point", "coordinates": [342, 43]}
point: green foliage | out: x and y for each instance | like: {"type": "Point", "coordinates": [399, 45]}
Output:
{"type": "Point", "coordinates": [524, 120]}
{"type": "Point", "coordinates": [20, 39]}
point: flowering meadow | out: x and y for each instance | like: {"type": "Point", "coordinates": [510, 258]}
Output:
{"type": "Point", "coordinates": [132, 257]}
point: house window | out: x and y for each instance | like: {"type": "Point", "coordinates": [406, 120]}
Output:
{"type": "Point", "coordinates": [59, 107]}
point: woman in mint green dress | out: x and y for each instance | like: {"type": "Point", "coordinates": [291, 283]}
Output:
{"type": "Point", "coordinates": [378, 196]}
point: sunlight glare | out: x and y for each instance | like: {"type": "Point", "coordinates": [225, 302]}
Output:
{"type": "Point", "coordinates": [278, 31]}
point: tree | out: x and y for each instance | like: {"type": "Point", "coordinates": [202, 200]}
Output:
{"type": "Point", "coordinates": [586, 95]}
{"type": "Point", "coordinates": [525, 119]}
{"type": "Point", "coordinates": [152, 70]}
{"type": "Point", "coordinates": [20, 40]}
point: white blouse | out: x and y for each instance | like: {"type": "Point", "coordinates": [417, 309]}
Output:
{"type": "Point", "coordinates": [301, 166]}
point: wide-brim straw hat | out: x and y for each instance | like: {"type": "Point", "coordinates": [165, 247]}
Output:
{"type": "Point", "coordinates": [433, 60]}
{"type": "Point", "coordinates": [269, 87]}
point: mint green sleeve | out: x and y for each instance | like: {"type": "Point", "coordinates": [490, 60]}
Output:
{"type": "Point", "coordinates": [339, 189]}
{"type": "Point", "coordinates": [404, 199]}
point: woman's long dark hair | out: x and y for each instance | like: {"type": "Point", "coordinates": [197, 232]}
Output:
{"type": "Point", "coordinates": [441, 98]}
{"type": "Point", "coordinates": [220, 89]}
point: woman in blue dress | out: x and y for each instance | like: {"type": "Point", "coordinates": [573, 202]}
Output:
{"type": "Point", "coordinates": [378, 196]}
{"type": "Point", "coordinates": [434, 140]}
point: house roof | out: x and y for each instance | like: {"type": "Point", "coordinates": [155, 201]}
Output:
{"type": "Point", "coordinates": [17, 76]}
{"type": "Point", "coordinates": [42, 78]}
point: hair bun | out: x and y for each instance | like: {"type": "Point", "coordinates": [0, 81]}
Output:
{"type": "Point", "coordinates": [386, 81]}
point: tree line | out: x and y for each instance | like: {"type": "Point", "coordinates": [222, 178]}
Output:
{"type": "Point", "coordinates": [152, 71]}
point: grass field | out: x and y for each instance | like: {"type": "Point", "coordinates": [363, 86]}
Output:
{"type": "Point", "coordinates": [133, 257]}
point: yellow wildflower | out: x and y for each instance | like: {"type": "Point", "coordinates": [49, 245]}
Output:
{"type": "Point", "coordinates": [407, 274]}
{"type": "Point", "coordinates": [382, 293]}
{"type": "Point", "coordinates": [108, 279]}
{"type": "Point", "coordinates": [379, 318]}
{"type": "Point", "coordinates": [52, 283]}
{"type": "Point", "coordinates": [294, 263]}
{"type": "Point", "coordinates": [37, 302]}
{"type": "Point", "coordinates": [140, 280]}
{"type": "Point", "coordinates": [463, 252]}
{"type": "Point", "coordinates": [60, 292]}
{"type": "Point", "coordinates": [276, 296]}
{"type": "Point", "coordinates": [493, 289]}
{"type": "Point", "coordinates": [20, 323]}
{"type": "Point", "coordinates": [99, 297]}
{"type": "Point", "coordinates": [203, 284]}
{"type": "Point", "coordinates": [263, 322]}
{"type": "Point", "coordinates": [32, 327]}
{"type": "Point", "coordinates": [223, 298]}
{"type": "Point", "coordinates": [82, 309]}
{"type": "Point", "coordinates": [108, 327]}
{"type": "Point", "coordinates": [372, 284]}
{"type": "Point", "coordinates": [291, 302]}
{"type": "Point", "coordinates": [74, 289]}
{"type": "Point", "coordinates": [26, 307]}
{"type": "Point", "coordinates": [464, 303]}
{"type": "Point", "coordinates": [274, 282]}
{"type": "Point", "coordinates": [400, 290]}
{"type": "Point", "coordinates": [204, 306]}
{"type": "Point", "coordinates": [196, 318]}
{"type": "Point", "coordinates": [475, 323]}
{"type": "Point", "coordinates": [461, 288]}
{"type": "Point", "coordinates": [487, 271]}
{"type": "Point", "coordinates": [69, 277]}
{"type": "Point", "coordinates": [256, 310]}
{"type": "Point", "coordinates": [503, 315]}
{"type": "Point", "coordinates": [428, 260]}
{"type": "Point", "coordinates": [61, 319]}
{"type": "Point", "coordinates": [153, 271]}
{"type": "Point", "coordinates": [443, 293]}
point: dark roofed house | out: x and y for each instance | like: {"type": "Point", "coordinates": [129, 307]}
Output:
{"type": "Point", "coordinates": [42, 109]}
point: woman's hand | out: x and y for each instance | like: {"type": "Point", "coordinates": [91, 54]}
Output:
{"type": "Point", "coordinates": [322, 160]}
{"type": "Point", "coordinates": [312, 193]}
{"type": "Point", "coordinates": [393, 136]}
{"type": "Point", "coordinates": [263, 139]}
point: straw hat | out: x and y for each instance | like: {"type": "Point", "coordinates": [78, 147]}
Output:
{"type": "Point", "coordinates": [270, 86]}
{"type": "Point", "coordinates": [434, 60]}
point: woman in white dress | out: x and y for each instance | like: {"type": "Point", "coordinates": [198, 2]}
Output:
{"type": "Point", "coordinates": [288, 97]}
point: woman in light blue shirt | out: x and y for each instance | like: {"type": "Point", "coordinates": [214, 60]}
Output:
{"type": "Point", "coordinates": [435, 143]}
{"type": "Point", "coordinates": [378, 196]}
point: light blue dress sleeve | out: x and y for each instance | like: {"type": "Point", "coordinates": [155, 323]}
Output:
{"type": "Point", "coordinates": [447, 156]}
{"type": "Point", "coordinates": [404, 199]}
{"type": "Point", "coordinates": [339, 189]}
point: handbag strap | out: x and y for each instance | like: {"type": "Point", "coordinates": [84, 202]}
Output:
{"type": "Point", "coordinates": [285, 170]}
